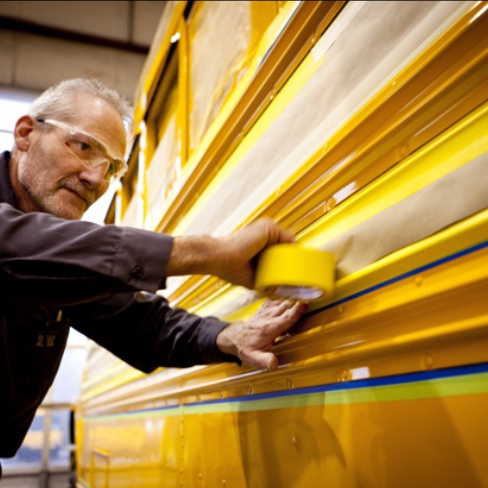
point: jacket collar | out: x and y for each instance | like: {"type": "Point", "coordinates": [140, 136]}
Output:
{"type": "Point", "coordinates": [7, 194]}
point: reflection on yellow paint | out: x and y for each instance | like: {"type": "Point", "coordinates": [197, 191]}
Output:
{"type": "Point", "coordinates": [384, 383]}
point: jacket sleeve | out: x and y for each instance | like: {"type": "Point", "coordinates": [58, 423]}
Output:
{"type": "Point", "coordinates": [143, 330]}
{"type": "Point", "coordinates": [49, 260]}
{"type": "Point", "coordinates": [104, 277]}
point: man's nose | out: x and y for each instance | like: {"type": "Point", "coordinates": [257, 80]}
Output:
{"type": "Point", "coordinates": [94, 176]}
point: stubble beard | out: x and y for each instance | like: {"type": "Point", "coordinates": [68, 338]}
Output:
{"type": "Point", "coordinates": [44, 198]}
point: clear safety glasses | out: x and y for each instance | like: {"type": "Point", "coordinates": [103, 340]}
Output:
{"type": "Point", "coordinates": [89, 149]}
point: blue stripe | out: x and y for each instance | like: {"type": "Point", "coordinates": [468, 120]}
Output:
{"type": "Point", "coordinates": [356, 384]}
{"type": "Point", "coordinates": [366, 383]}
{"type": "Point", "coordinates": [412, 272]}
{"type": "Point", "coordinates": [350, 385]}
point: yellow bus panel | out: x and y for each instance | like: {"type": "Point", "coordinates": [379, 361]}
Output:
{"type": "Point", "coordinates": [361, 127]}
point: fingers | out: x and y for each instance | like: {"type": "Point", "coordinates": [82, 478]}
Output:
{"type": "Point", "coordinates": [252, 340]}
{"type": "Point", "coordinates": [262, 233]}
{"type": "Point", "coordinates": [237, 251]}
{"type": "Point", "coordinates": [261, 359]}
{"type": "Point", "coordinates": [282, 314]}
{"type": "Point", "coordinates": [272, 233]}
{"type": "Point", "coordinates": [287, 319]}
{"type": "Point", "coordinates": [271, 321]}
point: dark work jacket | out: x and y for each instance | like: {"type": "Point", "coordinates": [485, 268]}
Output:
{"type": "Point", "coordinates": [100, 280]}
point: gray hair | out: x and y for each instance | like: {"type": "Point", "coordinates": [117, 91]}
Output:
{"type": "Point", "coordinates": [56, 102]}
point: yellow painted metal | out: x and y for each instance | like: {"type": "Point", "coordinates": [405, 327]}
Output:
{"type": "Point", "coordinates": [191, 293]}
{"type": "Point", "coordinates": [99, 467]}
{"type": "Point", "coordinates": [299, 34]}
{"type": "Point", "coordinates": [388, 328]}
{"type": "Point", "coordinates": [293, 458]}
{"type": "Point", "coordinates": [183, 115]}
{"type": "Point", "coordinates": [369, 143]}
{"type": "Point", "coordinates": [457, 146]}
{"type": "Point", "coordinates": [166, 123]}
{"type": "Point", "coordinates": [161, 131]}
{"type": "Point", "coordinates": [364, 395]}
{"type": "Point", "coordinates": [165, 105]}
{"type": "Point", "coordinates": [123, 376]}
{"type": "Point", "coordinates": [462, 143]}
{"type": "Point", "coordinates": [154, 65]}
{"type": "Point", "coordinates": [415, 324]}
{"type": "Point", "coordinates": [452, 240]}
{"type": "Point", "coordinates": [198, 288]}
{"type": "Point", "coordinates": [294, 85]}
{"type": "Point", "coordinates": [237, 29]}
{"type": "Point", "coordinates": [421, 102]}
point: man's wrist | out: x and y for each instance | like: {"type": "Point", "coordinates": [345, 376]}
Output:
{"type": "Point", "coordinates": [194, 255]}
{"type": "Point", "coordinates": [225, 343]}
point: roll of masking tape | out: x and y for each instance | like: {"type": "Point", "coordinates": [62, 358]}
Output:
{"type": "Point", "coordinates": [295, 272]}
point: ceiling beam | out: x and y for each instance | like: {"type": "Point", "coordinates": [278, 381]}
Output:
{"type": "Point", "coordinates": [20, 25]}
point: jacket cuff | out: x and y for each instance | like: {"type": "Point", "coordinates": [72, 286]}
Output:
{"type": "Point", "coordinates": [142, 257]}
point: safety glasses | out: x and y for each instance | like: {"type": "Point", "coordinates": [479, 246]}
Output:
{"type": "Point", "coordinates": [89, 150]}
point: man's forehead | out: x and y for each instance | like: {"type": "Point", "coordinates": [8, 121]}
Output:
{"type": "Point", "coordinates": [98, 117]}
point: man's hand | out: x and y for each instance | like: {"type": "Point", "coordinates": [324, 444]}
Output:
{"type": "Point", "coordinates": [239, 250]}
{"type": "Point", "coordinates": [231, 257]}
{"type": "Point", "coordinates": [251, 341]}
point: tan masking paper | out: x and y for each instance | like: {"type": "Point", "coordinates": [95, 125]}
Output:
{"type": "Point", "coordinates": [380, 39]}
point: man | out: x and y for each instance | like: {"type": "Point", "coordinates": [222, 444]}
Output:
{"type": "Point", "coordinates": [58, 272]}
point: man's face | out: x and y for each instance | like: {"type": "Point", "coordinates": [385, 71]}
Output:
{"type": "Point", "coordinates": [51, 178]}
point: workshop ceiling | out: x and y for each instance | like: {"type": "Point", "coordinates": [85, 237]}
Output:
{"type": "Point", "coordinates": [43, 42]}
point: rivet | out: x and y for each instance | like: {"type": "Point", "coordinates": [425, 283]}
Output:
{"type": "Point", "coordinates": [346, 375]}
{"type": "Point", "coordinates": [428, 361]}
{"type": "Point", "coordinates": [250, 390]}
{"type": "Point", "coordinates": [418, 280]}
{"type": "Point", "coordinates": [402, 151]}
{"type": "Point", "coordinates": [289, 384]}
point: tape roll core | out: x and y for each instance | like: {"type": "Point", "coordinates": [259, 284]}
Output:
{"type": "Point", "coordinates": [295, 272]}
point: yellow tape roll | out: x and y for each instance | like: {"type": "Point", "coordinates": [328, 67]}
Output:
{"type": "Point", "coordinates": [292, 271]}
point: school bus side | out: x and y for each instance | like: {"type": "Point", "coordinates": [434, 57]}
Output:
{"type": "Point", "coordinates": [360, 126]}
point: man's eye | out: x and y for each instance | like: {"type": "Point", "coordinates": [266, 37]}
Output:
{"type": "Point", "coordinates": [111, 169]}
{"type": "Point", "coordinates": [82, 146]}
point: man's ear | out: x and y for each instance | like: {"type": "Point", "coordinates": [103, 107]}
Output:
{"type": "Point", "coordinates": [23, 130]}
